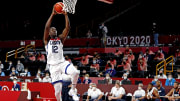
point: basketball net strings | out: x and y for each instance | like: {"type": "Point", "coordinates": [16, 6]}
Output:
{"type": "Point", "coordinates": [69, 6]}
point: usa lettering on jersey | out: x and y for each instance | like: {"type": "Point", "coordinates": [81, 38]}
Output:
{"type": "Point", "coordinates": [55, 42]}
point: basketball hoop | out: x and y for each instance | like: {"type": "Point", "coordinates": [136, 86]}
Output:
{"type": "Point", "coordinates": [69, 6]}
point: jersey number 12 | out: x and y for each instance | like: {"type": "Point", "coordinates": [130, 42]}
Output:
{"type": "Point", "coordinates": [54, 49]}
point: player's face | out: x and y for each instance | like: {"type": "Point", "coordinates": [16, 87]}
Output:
{"type": "Point", "coordinates": [175, 85]}
{"type": "Point", "coordinates": [53, 32]}
{"type": "Point", "coordinates": [149, 86]}
{"type": "Point", "coordinates": [158, 83]}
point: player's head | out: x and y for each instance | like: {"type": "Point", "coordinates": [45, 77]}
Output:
{"type": "Point", "coordinates": [176, 84]}
{"type": "Point", "coordinates": [150, 85]}
{"type": "Point", "coordinates": [53, 32]}
{"type": "Point", "coordinates": [158, 83]}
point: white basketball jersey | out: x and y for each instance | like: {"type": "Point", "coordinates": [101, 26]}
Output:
{"type": "Point", "coordinates": [151, 92]}
{"type": "Point", "coordinates": [54, 51]}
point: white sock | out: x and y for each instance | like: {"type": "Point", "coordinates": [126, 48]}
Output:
{"type": "Point", "coordinates": [73, 86]}
{"type": "Point", "coordinates": [74, 78]}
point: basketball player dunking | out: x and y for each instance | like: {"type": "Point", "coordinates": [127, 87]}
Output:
{"type": "Point", "coordinates": [55, 59]}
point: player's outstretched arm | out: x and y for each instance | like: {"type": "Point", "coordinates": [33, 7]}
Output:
{"type": "Point", "coordinates": [47, 27]}
{"type": "Point", "coordinates": [66, 29]}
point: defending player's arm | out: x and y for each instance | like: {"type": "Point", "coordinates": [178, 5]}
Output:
{"type": "Point", "coordinates": [170, 93]}
{"type": "Point", "coordinates": [156, 95]}
{"type": "Point", "coordinates": [66, 29]}
{"type": "Point", "coordinates": [47, 27]}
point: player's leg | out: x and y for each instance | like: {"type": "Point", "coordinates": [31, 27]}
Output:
{"type": "Point", "coordinates": [58, 89]}
{"type": "Point", "coordinates": [56, 81]}
{"type": "Point", "coordinates": [71, 70]}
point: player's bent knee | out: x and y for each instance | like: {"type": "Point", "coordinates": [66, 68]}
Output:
{"type": "Point", "coordinates": [76, 72]}
{"type": "Point", "coordinates": [73, 71]}
{"type": "Point", "coordinates": [57, 87]}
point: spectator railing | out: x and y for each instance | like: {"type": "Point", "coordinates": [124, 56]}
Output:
{"type": "Point", "coordinates": [169, 60]}
{"type": "Point", "coordinates": [17, 51]}
{"type": "Point", "coordinates": [164, 64]}
{"type": "Point", "coordinates": [9, 54]}
{"type": "Point", "coordinates": [29, 47]}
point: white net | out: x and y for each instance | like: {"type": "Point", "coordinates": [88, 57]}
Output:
{"type": "Point", "coordinates": [69, 6]}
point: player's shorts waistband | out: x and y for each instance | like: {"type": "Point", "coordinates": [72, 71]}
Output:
{"type": "Point", "coordinates": [59, 81]}
{"type": "Point", "coordinates": [56, 64]}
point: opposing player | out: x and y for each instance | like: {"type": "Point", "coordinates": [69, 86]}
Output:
{"type": "Point", "coordinates": [55, 58]}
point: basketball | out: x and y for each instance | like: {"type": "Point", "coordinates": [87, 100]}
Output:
{"type": "Point", "coordinates": [58, 7]}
